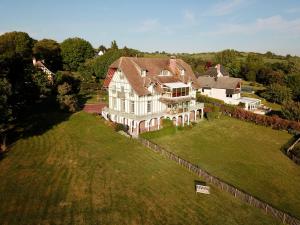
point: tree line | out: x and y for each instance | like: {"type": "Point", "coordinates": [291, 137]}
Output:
{"type": "Point", "coordinates": [74, 62]}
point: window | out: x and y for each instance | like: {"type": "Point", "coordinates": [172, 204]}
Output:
{"type": "Point", "coordinates": [182, 72]}
{"type": "Point", "coordinates": [143, 72]}
{"type": "Point", "coordinates": [113, 89]}
{"type": "Point", "coordinates": [149, 103]}
{"type": "Point", "coordinates": [131, 106]}
{"type": "Point", "coordinates": [164, 72]}
{"type": "Point", "coordinates": [131, 93]}
{"type": "Point", "coordinates": [122, 89]}
{"type": "Point", "coordinates": [123, 105]}
{"type": "Point", "coordinates": [177, 92]}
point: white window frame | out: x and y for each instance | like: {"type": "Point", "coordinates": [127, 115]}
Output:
{"type": "Point", "coordinates": [114, 102]}
{"type": "Point", "coordinates": [132, 107]}
{"type": "Point", "coordinates": [123, 105]}
{"type": "Point", "coordinates": [149, 106]}
{"type": "Point", "coordinates": [164, 73]}
{"type": "Point", "coordinates": [143, 72]}
{"type": "Point", "coordinates": [182, 72]}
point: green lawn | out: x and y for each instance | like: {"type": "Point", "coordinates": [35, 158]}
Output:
{"type": "Point", "coordinates": [243, 154]}
{"type": "Point", "coordinates": [81, 172]}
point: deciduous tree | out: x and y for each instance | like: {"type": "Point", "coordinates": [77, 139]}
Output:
{"type": "Point", "coordinates": [74, 52]}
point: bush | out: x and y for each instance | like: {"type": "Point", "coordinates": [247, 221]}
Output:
{"type": "Point", "coordinates": [296, 150]}
{"type": "Point", "coordinates": [206, 99]}
{"type": "Point", "coordinates": [273, 121]}
{"type": "Point", "coordinates": [291, 110]}
{"type": "Point", "coordinates": [167, 123]}
{"type": "Point", "coordinates": [119, 127]}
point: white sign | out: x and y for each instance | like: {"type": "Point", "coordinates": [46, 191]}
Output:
{"type": "Point", "coordinates": [202, 189]}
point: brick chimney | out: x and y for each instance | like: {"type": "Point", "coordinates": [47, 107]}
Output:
{"type": "Point", "coordinates": [173, 64]}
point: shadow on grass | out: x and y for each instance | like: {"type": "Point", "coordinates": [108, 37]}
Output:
{"type": "Point", "coordinates": [36, 121]}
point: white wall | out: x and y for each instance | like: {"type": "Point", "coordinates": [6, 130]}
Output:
{"type": "Point", "coordinates": [140, 103]}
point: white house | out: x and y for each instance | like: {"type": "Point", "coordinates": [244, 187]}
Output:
{"type": "Point", "coordinates": [216, 83]}
{"type": "Point", "coordinates": [143, 91]}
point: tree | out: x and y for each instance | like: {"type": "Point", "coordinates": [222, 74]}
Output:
{"type": "Point", "coordinates": [226, 57]}
{"type": "Point", "coordinates": [74, 52]}
{"type": "Point", "coordinates": [48, 50]}
{"type": "Point", "coordinates": [277, 93]}
{"type": "Point", "coordinates": [113, 45]}
{"type": "Point", "coordinates": [66, 98]}
{"type": "Point", "coordinates": [15, 69]}
{"type": "Point", "coordinates": [291, 110]}
{"type": "Point", "coordinates": [250, 68]}
{"type": "Point", "coordinates": [68, 88]}
{"type": "Point", "coordinates": [5, 110]}
{"type": "Point", "coordinates": [293, 82]}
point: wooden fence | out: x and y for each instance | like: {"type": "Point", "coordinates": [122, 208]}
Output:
{"type": "Point", "coordinates": [290, 153]}
{"type": "Point", "coordinates": [237, 193]}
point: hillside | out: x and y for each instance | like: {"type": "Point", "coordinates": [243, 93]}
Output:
{"type": "Point", "coordinates": [82, 172]}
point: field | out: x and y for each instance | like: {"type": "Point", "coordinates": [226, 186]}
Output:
{"type": "Point", "coordinates": [80, 171]}
{"type": "Point", "coordinates": [243, 154]}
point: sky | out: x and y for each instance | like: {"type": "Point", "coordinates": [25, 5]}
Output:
{"type": "Point", "coordinates": [162, 25]}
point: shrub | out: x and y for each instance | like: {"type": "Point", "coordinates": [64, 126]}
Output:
{"type": "Point", "coordinates": [206, 99]}
{"type": "Point", "coordinates": [119, 127]}
{"type": "Point", "coordinates": [167, 123]}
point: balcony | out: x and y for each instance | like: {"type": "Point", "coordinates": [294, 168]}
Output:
{"type": "Point", "coordinates": [168, 112]}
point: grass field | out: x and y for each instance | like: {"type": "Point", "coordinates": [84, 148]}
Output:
{"type": "Point", "coordinates": [81, 172]}
{"type": "Point", "coordinates": [243, 154]}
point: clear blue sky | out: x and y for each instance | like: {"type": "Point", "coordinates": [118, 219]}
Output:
{"type": "Point", "coordinates": [172, 26]}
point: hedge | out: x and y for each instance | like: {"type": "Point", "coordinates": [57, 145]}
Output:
{"type": "Point", "coordinates": [271, 121]}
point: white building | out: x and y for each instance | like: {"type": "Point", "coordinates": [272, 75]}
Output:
{"type": "Point", "coordinates": [216, 83]}
{"type": "Point", "coordinates": [143, 91]}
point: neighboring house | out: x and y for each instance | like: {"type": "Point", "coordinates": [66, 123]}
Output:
{"type": "Point", "coordinates": [216, 83]}
{"type": "Point", "coordinates": [40, 65]}
{"type": "Point", "coordinates": [100, 53]}
{"type": "Point", "coordinates": [144, 91]}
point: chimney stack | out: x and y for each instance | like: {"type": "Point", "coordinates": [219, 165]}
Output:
{"type": "Point", "coordinates": [173, 64]}
{"type": "Point", "coordinates": [218, 67]}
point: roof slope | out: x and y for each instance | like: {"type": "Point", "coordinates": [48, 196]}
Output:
{"type": "Point", "coordinates": [219, 83]}
{"type": "Point", "coordinates": [132, 66]}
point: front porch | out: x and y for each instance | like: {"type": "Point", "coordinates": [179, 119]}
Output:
{"type": "Point", "coordinates": [139, 124]}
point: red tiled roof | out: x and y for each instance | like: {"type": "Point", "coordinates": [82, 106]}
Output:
{"type": "Point", "coordinates": [108, 77]}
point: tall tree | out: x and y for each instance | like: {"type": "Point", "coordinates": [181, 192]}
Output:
{"type": "Point", "coordinates": [226, 57]}
{"type": "Point", "coordinates": [113, 45]}
{"type": "Point", "coordinates": [74, 52]}
{"type": "Point", "coordinates": [49, 51]}
{"type": "Point", "coordinates": [291, 110]}
{"type": "Point", "coordinates": [15, 76]}
{"type": "Point", "coordinates": [277, 93]}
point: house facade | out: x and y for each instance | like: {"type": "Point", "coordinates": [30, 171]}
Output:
{"type": "Point", "coordinates": [144, 91]}
{"type": "Point", "coordinates": [216, 83]}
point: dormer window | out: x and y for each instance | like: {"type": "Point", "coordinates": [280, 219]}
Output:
{"type": "Point", "coordinates": [164, 73]}
{"type": "Point", "coordinates": [143, 72]}
{"type": "Point", "coordinates": [182, 72]}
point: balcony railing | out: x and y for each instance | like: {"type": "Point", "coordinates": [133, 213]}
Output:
{"type": "Point", "coordinates": [153, 115]}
